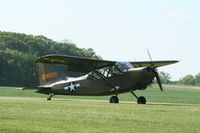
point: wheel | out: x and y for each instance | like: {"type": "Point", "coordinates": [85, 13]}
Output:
{"type": "Point", "coordinates": [141, 100]}
{"type": "Point", "coordinates": [49, 98]}
{"type": "Point", "coordinates": [114, 99]}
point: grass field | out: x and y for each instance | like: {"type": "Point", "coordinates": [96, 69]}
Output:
{"type": "Point", "coordinates": [175, 110]}
{"type": "Point", "coordinates": [152, 94]}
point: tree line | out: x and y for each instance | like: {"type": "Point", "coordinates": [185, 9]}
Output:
{"type": "Point", "coordinates": [186, 80]}
{"type": "Point", "coordinates": [18, 53]}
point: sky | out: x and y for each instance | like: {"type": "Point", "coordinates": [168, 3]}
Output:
{"type": "Point", "coordinates": [119, 30]}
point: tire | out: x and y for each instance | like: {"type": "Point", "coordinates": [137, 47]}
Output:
{"type": "Point", "coordinates": [49, 99]}
{"type": "Point", "coordinates": [141, 100]}
{"type": "Point", "coordinates": [114, 99]}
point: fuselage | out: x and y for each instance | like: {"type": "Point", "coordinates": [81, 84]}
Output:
{"type": "Point", "coordinates": [87, 85]}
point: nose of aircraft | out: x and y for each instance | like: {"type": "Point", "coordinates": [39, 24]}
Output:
{"type": "Point", "coordinates": [155, 71]}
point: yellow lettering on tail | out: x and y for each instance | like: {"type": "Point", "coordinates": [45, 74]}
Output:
{"type": "Point", "coordinates": [49, 75]}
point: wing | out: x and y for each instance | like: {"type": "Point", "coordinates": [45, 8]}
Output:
{"type": "Point", "coordinates": [82, 64]}
{"type": "Point", "coordinates": [79, 64]}
{"type": "Point", "coordinates": [155, 63]}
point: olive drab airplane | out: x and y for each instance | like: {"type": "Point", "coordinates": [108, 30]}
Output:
{"type": "Point", "coordinates": [71, 75]}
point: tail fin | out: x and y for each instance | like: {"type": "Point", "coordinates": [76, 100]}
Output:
{"type": "Point", "coordinates": [50, 73]}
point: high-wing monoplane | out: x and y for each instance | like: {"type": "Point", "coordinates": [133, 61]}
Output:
{"type": "Point", "coordinates": [71, 75]}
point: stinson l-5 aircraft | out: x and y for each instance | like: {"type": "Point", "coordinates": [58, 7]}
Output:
{"type": "Point", "coordinates": [71, 75]}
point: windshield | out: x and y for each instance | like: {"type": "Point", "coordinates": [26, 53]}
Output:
{"type": "Point", "coordinates": [124, 66]}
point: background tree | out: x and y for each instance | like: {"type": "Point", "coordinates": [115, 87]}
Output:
{"type": "Point", "coordinates": [197, 79]}
{"type": "Point", "coordinates": [164, 77]}
{"type": "Point", "coordinates": [18, 53]}
{"type": "Point", "coordinates": [187, 80]}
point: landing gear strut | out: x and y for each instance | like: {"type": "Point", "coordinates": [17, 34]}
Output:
{"type": "Point", "coordinates": [140, 100]}
{"type": "Point", "coordinates": [50, 96]}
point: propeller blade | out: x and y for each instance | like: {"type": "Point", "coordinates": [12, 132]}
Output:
{"type": "Point", "coordinates": [158, 80]}
{"type": "Point", "coordinates": [150, 57]}
{"type": "Point", "coordinates": [155, 72]}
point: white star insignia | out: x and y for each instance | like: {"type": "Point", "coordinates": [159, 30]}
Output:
{"type": "Point", "coordinates": [72, 87]}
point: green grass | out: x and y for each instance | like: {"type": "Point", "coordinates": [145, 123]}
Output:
{"type": "Point", "coordinates": [36, 115]}
{"type": "Point", "coordinates": [175, 110]}
{"type": "Point", "coordinates": [152, 94]}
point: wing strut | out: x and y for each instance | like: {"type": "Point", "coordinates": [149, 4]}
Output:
{"type": "Point", "coordinates": [105, 81]}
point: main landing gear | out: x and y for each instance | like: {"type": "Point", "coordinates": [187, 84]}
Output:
{"type": "Point", "coordinates": [50, 96]}
{"type": "Point", "coordinates": [140, 100]}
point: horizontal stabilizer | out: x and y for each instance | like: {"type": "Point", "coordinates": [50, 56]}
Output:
{"type": "Point", "coordinates": [40, 89]}
{"type": "Point", "coordinates": [28, 88]}
{"type": "Point", "coordinates": [34, 88]}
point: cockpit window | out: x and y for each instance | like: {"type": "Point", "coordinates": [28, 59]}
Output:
{"type": "Point", "coordinates": [124, 66]}
{"type": "Point", "coordinates": [117, 69]}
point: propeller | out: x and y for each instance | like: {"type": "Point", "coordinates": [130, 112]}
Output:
{"type": "Point", "coordinates": [158, 79]}
{"type": "Point", "coordinates": [155, 72]}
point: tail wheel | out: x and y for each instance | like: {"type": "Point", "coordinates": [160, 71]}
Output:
{"type": "Point", "coordinates": [141, 100]}
{"type": "Point", "coordinates": [49, 98]}
{"type": "Point", "coordinates": [114, 99]}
